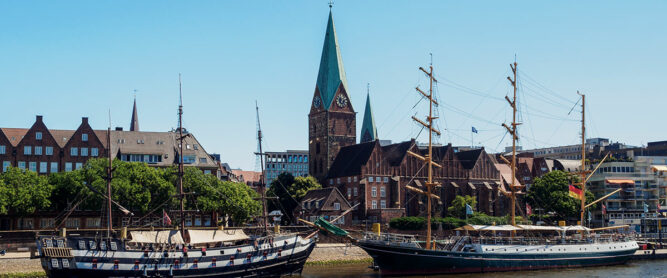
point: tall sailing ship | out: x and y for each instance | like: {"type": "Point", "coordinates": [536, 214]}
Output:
{"type": "Point", "coordinates": [174, 253]}
{"type": "Point", "coordinates": [521, 247]}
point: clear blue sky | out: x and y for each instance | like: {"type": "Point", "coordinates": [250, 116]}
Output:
{"type": "Point", "coordinates": [68, 59]}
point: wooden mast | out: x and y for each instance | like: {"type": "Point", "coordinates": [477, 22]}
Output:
{"type": "Point", "coordinates": [583, 156]}
{"type": "Point", "coordinates": [512, 131]}
{"type": "Point", "coordinates": [180, 157]}
{"type": "Point", "coordinates": [265, 216]}
{"type": "Point", "coordinates": [109, 177]}
{"type": "Point", "coordinates": [428, 159]}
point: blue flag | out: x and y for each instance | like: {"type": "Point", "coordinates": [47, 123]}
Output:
{"type": "Point", "coordinates": [468, 210]}
{"type": "Point", "coordinates": [474, 130]}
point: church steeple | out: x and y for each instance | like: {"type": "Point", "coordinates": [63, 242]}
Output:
{"type": "Point", "coordinates": [134, 124]}
{"type": "Point", "coordinates": [331, 74]}
{"type": "Point", "coordinates": [368, 130]}
{"type": "Point", "coordinates": [332, 120]}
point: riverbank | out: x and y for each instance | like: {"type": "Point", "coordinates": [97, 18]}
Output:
{"type": "Point", "coordinates": [337, 253]}
{"type": "Point", "coordinates": [19, 264]}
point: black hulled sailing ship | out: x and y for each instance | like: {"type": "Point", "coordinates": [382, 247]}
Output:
{"type": "Point", "coordinates": [174, 253]}
{"type": "Point", "coordinates": [495, 248]}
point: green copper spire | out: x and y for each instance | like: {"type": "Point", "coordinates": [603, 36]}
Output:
{"type": "Point", "coordinates": [368, 130]}
{"type": "Point", "coordinates": [332, 73]}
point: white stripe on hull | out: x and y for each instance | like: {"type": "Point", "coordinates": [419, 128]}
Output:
{"type": "Point", "coordinates": [219, 264]}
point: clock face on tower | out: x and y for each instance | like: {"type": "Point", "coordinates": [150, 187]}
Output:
{"type": "Point", "coordinates": [317, 102]}
{"type": "Point", "coordinates": [341, 101]}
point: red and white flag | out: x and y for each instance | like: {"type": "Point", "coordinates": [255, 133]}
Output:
{"type": "Point", "coordinates": [166, 221]}
{"type": "Point", "coordinates": [529, 209]}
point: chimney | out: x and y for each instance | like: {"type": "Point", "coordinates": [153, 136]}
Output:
{"type": "Point", "coordinates": [119, 128]}
{"type": "Point", "coordinates": [84, 120]}
{"type": "Point", "coordinates": [39, 118]}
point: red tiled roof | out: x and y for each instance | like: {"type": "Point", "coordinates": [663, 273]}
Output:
{"type": "Point", "coordinates": [61, 136]}
{"type": "Point", "coordinates": [250, 177]}
{"type": "Point", "coordinates": [14, 135]}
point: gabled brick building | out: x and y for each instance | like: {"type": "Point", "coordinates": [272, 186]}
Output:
{"type": "Point", "coordinates": [375, 176]}
{"type": "Point", "coordinates": [46, 151]}
{"type": "Point", "coordinates": [328, 203]}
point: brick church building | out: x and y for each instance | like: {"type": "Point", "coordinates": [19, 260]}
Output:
{"type": "Point", "coordinates": [374, 175]}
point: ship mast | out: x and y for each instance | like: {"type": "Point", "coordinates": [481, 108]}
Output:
{"type": "Point", "coordinates": [265, 216]}
{"type": "Point", "coordinates": [512, 131]}
{"type": "Point", "coordinates": [583, 156]}
{"type": "Point", "coordinates": [428, 158]}
{"type": "Point", "coordinates": [180, 157]}
{"type": "Point", "coordinates": [109, 173]}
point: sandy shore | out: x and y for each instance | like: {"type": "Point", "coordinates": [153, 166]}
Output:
{"type": "Point", "coordinates": [19, 265]}
{"type": "Point", "coordinates": [337, 252]}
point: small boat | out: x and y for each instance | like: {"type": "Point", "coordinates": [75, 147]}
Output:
{"type": "Point", "coordinates": [203, 253]}
{"type": "Point", "coordinates": [519, 247]}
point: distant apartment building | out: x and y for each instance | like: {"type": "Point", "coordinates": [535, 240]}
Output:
{"type": "Point", "coordinates": [568, 151]}
{"type": "Point", "coordinates": [643, 180]}
{"type": "Point", "coordinates": [294, 162]}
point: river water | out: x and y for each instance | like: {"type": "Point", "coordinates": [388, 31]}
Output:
{"type": "Point", "coordinates": [639, 269]}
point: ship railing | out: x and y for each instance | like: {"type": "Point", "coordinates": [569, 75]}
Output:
{"type": "Point", "coordinates": [391, 237]}
{"type": "Point", "coordinates": [543, 241]}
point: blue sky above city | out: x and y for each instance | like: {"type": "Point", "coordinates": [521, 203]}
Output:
{"type": "Point", "coordinates": [71, 59]}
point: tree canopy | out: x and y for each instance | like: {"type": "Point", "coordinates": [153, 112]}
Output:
{"type": "Point", "coordinates": [458, 207]}
{"type": "Point", "coordinates": [551, 193]}
{"type": "Point", "coordinates": [236, 200]}
{"type": "Point", "coordinates": [23, 192]}
{"type": "Point", "coordinates": [289, 191]}
{"type": "Point", "coordinates": [135, 185]}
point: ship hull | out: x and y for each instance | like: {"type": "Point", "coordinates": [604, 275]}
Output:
{"type": "Point", "coordinates": [396, 260]}
{"type": "Point", "coordinates": [232, 261]}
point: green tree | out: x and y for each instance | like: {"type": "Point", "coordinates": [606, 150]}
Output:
{"type": "Point", "coordinates": [23, 192]}
{"type": "Point", "coordinates": [458, 207]}
{"type": "Point", "coordinates": [290, 191]}
{"type": "Point", "coordinates": [135, 186]}
{"type": "Point", "coordinates": [235, 200]}
{"type": "Point", "coordinates": [551, 193]}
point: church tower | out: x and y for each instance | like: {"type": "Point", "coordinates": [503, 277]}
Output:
{"type": "Point", "coordinates": [134, 124]}
{"type": "Point", "coordinates": [368, 130]}
{"type": "Point", "coordinates": [332, 120]}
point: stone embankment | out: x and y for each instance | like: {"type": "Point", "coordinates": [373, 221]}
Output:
{"type": "Point", "coordinates": [337, 252]}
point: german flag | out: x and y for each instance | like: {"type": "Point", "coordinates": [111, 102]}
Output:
{"type": "Point", "coordinates": [576, 192]}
